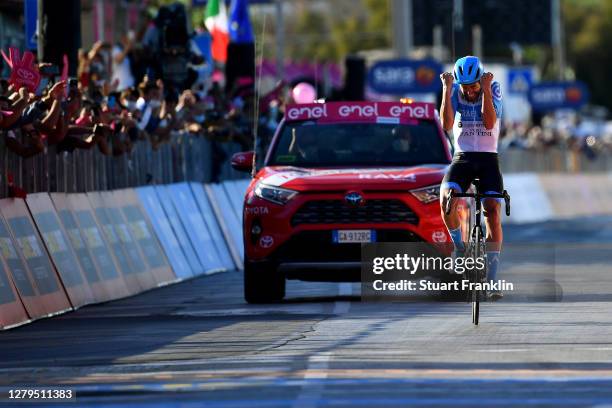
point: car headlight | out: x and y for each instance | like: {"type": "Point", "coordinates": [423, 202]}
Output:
{"type": "Point", "coordinates": [274, 194]}
{"type": "Point", "coordinates": [427, 194]}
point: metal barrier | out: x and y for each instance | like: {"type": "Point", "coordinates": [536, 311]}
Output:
{"type": "Point", "coordinates": [185, 157]}
{"type": "Point", "coordinates": [189, 157]}
{"type": "Point", "coordinates": [554, 160]}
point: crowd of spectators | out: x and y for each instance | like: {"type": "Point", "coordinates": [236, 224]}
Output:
{"type": "Point", "coordinates": [571, 131]}
{"type": "Point", "coordinates": [121, 96]}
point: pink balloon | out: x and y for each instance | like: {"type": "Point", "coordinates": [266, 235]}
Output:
{"type": "Point", "coordinates": [304, 93]}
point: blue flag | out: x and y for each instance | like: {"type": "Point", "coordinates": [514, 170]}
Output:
{"type": "Point", "coordinates": [240, 29]}
{"type": "Point", "coordinates": [203, 42]}
{"type": "Point", "coordinates": [31, 14]}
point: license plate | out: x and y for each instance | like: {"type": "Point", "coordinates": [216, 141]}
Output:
{"type": "Point", "coordinates": [353, 236]}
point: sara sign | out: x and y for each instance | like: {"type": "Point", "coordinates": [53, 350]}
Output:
{"type": "Point", "coordinates": [405, 76]}
{"type": "Point", "coordinates": [359, 111]}
{"type": "Point", "coordinates": [558, 95]}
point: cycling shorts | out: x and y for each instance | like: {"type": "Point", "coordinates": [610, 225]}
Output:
{"type": "Point", "coordinates": [467, 166]}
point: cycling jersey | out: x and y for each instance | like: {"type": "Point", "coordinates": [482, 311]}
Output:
{"type": "Point", "coordinates": [469, 131]}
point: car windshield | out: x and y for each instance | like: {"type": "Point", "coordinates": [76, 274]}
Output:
{"type": "Point", "coordinates": [311, 144]}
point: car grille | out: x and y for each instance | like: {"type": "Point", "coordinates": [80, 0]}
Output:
{"type": "Point", "coordinates": [338, 212]}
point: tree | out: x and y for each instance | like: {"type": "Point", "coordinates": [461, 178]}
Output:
{"type": "Point", "coordinates": [588, 27]}
{"type": "Point", "coordinates": [309, 37]}
{"type": "Point", "coordinates": [328, 31]}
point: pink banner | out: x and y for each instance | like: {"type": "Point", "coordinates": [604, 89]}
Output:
{"type": "Point", "coordinates": [382, 112]}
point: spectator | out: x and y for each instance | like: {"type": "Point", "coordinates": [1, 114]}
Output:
{"type": "Point", "coordinates": [122, 71]}
{"type": "Point", "coordinates": [96, 64]}
{"type": "Point", "coordinates": [108, 107]}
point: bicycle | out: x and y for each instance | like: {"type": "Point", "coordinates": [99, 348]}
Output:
{"type": "Point", "coordinates": [476, 244]}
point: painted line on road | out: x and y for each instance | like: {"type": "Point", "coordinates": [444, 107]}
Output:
{"type": "Point", "coordinates": [344, 289]}
{"type": "Point", "coordinates": [300, 310]}
{"type": "Point", "coordinates": [311, 392]}
{"type": "Point", "coordinates": [317, 379]}
{"type": "Point", "coordinates": [317, 374]}
{"type": "Point", "coordinates": [317, 367]}
{"type": "Point", "coordinates": [367, 402]}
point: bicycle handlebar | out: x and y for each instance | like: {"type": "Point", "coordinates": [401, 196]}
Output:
{"type": "Point", "coordinates": [477, 196]}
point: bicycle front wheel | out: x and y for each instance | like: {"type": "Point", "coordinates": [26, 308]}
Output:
{"type": "Point", "coordinates": [477, 276]}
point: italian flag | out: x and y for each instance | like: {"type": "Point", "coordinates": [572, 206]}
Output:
{"type": "Point", "coordinates": [216, 23]}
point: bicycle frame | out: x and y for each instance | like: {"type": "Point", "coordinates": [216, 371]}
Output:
{"type": "Point", "coordinates": [477, 242]}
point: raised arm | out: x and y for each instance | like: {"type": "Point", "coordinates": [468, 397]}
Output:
{"type": "Point", "coordinates": [489, 116]}
{"type": "Point", "coordinates": [55, 98]}
{"type": "Point", "coordinates": [447, 113]}
{"type": "Point", "coordinates": [119, 56]}
{"type": "Point", "coordinates": [17, 108]}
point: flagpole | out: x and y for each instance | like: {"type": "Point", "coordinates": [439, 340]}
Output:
{"type": "Point", "coordinates": [39, 30]}
{"type": "Point", "coordinates": [257, 94]}
{"type": "Point", "coordinates": [280, 41]}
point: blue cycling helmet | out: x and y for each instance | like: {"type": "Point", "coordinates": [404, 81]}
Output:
{"type": "Point", "coordinates": [468, 70]}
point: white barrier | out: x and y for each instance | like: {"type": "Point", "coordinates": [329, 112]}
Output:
{"type": "Point", "coordinates": [228, 221]}
{"type": "Point", "coordinates": [196, 228]}
{"type": "Point", "coordinates": [213, 226]}
{"type": "Point", "coordinates": [539, 197]}
{"type": "Point", "coordinates": [529, 202]}
{"type": "Point", "coordinates": [164, 232]}
{"type": "Point", "coordinates": [235, 196]}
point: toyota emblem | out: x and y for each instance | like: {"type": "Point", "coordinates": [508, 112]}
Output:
{"type": "Point", "coordinates": [354, 199]}
{"type": "Point", "coordinates": [266, 241]}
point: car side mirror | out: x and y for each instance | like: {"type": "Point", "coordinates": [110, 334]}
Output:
{"type": "Point", "coordinates": [243, 161]}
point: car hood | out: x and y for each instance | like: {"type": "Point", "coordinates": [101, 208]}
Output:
{"type": "Point", "coordinates": [335, 179]}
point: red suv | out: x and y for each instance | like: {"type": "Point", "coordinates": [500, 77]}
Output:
{"type": "Point", "coordinates": [335, 175]}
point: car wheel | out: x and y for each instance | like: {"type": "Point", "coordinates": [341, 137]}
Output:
{"type": "Point", "coordinates": [263, 283]}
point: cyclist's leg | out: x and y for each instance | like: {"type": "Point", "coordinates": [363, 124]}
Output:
{"type": "Point", "coordinates": [491, 211]}
{"type": "Point", "coordinates": [457, 178]}
{"type": "Point", "coordinates": [492, 182]}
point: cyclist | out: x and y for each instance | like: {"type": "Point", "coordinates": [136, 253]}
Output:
{"type": "Point", "coordinates": [472, 108]}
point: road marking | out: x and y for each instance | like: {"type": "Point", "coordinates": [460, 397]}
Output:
{"type": "Point", "coordinates": [296, 310]}
{"type": "Point", "coordinates": [344, 289]}
{"type": "Point", "coordinates": [318, 373]}
{"type": "Point", "coordinates": [318, 381]}
{"type": "Point", "coordinates": [316, 369]}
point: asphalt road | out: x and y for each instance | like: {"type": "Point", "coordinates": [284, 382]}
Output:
{"type": "Point", "coordinates": [198, 344]}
